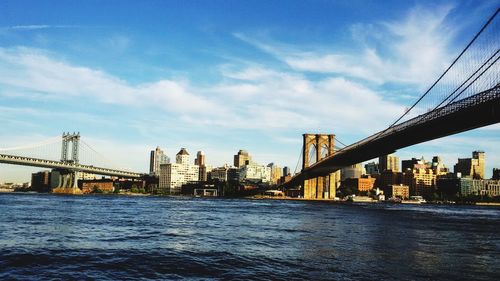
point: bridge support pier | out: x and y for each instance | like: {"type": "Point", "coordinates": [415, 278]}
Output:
{"type": "Point", "coordinates": [64, 182]}
{"type": "Point", "coordinates": [318, 146]}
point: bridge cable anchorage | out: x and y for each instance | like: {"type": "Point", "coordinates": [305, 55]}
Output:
{"type": "Point", "coordinates": [442, 75]}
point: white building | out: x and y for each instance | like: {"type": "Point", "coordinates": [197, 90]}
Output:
{"type": "Point", "coordinates": [174, 175]}
{"type": "Point", "coordinates": [254, 171]}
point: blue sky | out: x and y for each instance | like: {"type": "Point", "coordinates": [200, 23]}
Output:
{"type": "Point", "coordinates": [220, 76]}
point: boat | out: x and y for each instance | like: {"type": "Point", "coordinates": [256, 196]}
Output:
{"type": "Point", "coordinates": [414, 200]}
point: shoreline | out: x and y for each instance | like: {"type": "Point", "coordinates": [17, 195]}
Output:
{"type": "Point", "coordinates": [487, 204]}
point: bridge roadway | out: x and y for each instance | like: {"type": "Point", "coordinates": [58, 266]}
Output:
{"type": "Point", "coordinates": [35, 162]}
{"type": "Point", "coordinates": [479, 110]}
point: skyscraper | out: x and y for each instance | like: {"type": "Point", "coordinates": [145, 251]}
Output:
{"type": "Point", "coordinates": [200, 161]}
{"type": "Point", "coordinates": [200, 158]}
{"type": "Point", "coordinates": [473, 167]}
{"type": "Point", "coordinates": [157, 157]}
{"type": "Point", "coordinates": [242, 158]}
{"type": "Point", "coordinates": [286, 171]}
{"type": "Point", "coordinates": [388, 162]}
{"type": "Point", "coordinates": [276, 173]}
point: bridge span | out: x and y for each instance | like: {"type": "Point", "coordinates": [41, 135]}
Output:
{"type": "Point", "coordinates": [476, 111]}
{"type": "Point", "coordinates": [42, 163]}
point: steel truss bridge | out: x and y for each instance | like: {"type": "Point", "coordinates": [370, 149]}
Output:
{"type": "Point", "coordinates": [76, 156]}
{"type": "Point", "coordinates": [51, 164]}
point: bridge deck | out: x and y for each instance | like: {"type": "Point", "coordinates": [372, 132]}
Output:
{"type": "Point", "coordinates": [476, 111]}
{"type": "Point", "coordinates": [35, 162]}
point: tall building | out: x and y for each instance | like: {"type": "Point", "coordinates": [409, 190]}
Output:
{"type": "Point", "coordinates": [421, 180]}
{"type": "Point", "coordinates": [276, 173]}
{"type": "Point", "coordinates": [40, 181]}
{"type": "Point", "coordinates": [157, 158]}
{"type": "Point", "coordinates": [174, 175]}
{"type": "Point", "coordinates": [200, 161]}
{"type": "Point", "coordinates": [372, 168]}
{"type": "Point", "coordinates": [242, 158]}
{"type": "Point", "coordinates": [388, 162]}
{"type": "Point", "coordinates": [410, 164]}
{"type": "Point", "coordinates": [438, 167]}
{"type": "Point", "coordinates": [200, 158]}
{"type": "Point", "coordinates": [473, 167]}
{"type": "Point", "coordinates": [286, 171]}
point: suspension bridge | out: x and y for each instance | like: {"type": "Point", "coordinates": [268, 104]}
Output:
{"type": "Point", "coordinates": [465, 96]}
{"type": "Point", "coordinates": [76, 156]}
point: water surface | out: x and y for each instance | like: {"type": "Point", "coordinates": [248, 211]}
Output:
{"type": "Point", "coordinates": [45, 236]}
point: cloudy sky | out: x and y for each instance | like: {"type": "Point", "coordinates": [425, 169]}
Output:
{"type": "Point", "coordinates": [220, 76]}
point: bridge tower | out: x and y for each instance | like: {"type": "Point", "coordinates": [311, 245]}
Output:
{"type": "Point", "coordinates": [316, 147]}
{"type": "Point", "coordinates": [74, 139]}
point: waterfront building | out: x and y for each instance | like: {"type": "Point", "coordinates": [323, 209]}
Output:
{"type": "Point", "coordinates": [371, 168]}
{"type": "Point", "coordinates": [388, 162]}
{"type": "Point", "coordinates": [398, 191]}
{"type": "Point", "coordinates": [351, 172]}
{"type": "Point", "coordinates": [448, 186]}
{"type": "Point", "coordinates": [473, 167]}
{"type": "Point", "coordinates": [275, 173]}
{"type": "Point", "coordinates": [479, 187]}
{"type": "Point", "coordinates": [40, 181]}
{"type": "Point", "coordinates": [100, 185]}
{"type": "Point", "coordinates": [174, 175]}
{"type": "Point", "coordinates": [220, 173]}
{"type": "Point", "coordinates": [225, 173]}
{"type": "Point", "coordinates": [422, 181]}
{"type": "Point", "coordinates": [361, 184]}
{"type": "Point", "coordinates": [388, 178]}
{"type": "Point", "coordinates": [242, 158]}
{"type": "Point", "coordinates": [157, 158]}
{"type": "Point", "coordinates": [255, 172]}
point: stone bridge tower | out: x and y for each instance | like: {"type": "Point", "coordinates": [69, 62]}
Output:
{"type": "Point", "coordinates": [315, 148]}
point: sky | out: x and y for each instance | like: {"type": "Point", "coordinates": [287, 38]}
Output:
{"type": "Point", "coordinates": [220, 76]}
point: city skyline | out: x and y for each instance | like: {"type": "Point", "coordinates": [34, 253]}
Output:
{"type": "Point", "coordinates": [220, 85]}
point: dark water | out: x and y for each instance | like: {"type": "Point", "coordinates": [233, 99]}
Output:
{"type": "Point", "coordinates": [118, 237]}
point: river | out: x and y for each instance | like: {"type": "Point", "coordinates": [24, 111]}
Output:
{"type": "Point", "coordinates": [45, 236]}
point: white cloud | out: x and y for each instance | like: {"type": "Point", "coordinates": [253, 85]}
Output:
{"type": "Point", "coordinates": [412, 50]}
{"type": "Point", "coordinates": [33, 71]}
{"type": "Point", "coordinates": [250, 98]}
